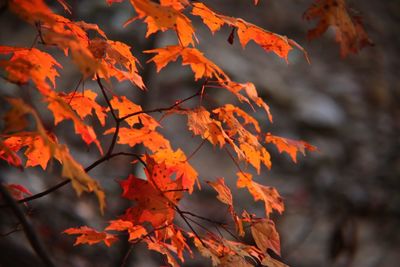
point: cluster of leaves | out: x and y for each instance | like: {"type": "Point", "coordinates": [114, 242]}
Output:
{"type": "Point", "coordinates": [169, 175]}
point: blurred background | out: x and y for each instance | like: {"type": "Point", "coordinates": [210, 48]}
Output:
{"type": "Point", "coordinates": [342, 202]}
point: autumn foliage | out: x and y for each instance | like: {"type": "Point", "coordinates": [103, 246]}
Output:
{"type": "Point", "coordinates": [169, 177]}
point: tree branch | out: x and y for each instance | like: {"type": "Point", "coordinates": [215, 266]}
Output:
{"type": "Point", "coordinates": [67, 181]}
{"type": "Point", "coordinates": [28, 229]}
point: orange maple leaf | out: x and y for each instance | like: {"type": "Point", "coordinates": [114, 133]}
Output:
{"type": "Point", "coordinates": [30, 63]}
{"type": "Point", "coordinates": [135, 231]}
{"type": "Point", "coordinates": [90, 236]}
{"type": "Point", "coordinates": [225, 196]}
{"type": "Point", "coordinates": [62, 32]}
{"type": "Point", "coordinates": [201, 66]}
{"type": "Point", "coordinates": [116, 61]}
{"type": "Point", "coordinates": [126, 107]}
{"type": "Point", "coordinates": [265, 235]}
{"type": "Point", "coordinates": [249, 147]}
{"type": "Point", "coordinates": [269, 41]}
{"type": "Point", "coordinates": [37, 152]}
{"type": "Point", "coordinates": [200, 123]}
{"type": "Point", "coordinates": [162, 18]}
{"type": "Point", "coordinates": [251, 93]}
{"type": "Point", "coordinates": [350, 32]}
{"type": "Point", "coordinates": [177, 162]}
{"type": "Point", "coordinates": [164, 249]}
{"type": "Point", "coordinates": [289, 146]}
{"type": "Point", "coordinates": [84, 104]}
{"type": "Point", "coordinates": [270, 196]}
{"type": "Point", "coordinates": [149, 138]}
{"type": "Point", "coordinates": [62, 111]}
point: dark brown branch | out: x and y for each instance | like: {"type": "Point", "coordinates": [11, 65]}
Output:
{"type": "Point", "coordinates": [27, 227]}
{"type": "Point", "coordinates": [67, 181]}
{"type": "Point", "coordinates": [117, 120]}
{"type": "Point", "coordinates": [106, 98]}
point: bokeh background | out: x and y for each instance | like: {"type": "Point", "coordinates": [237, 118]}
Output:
{"type": "Point", "coordinates": [342, 202]}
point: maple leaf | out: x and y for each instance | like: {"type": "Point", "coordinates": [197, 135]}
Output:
{"type": "Point", "coordinates": [350, 32]}
{"type": "Point", "coordinates": [251, 93]}
{"type": "Point", "coordinates": [90, 236]}
{"type": "Point", "coordinates": [155, 198]}
{"type": "Point", "coordinates": [37, 152]}
{"type": "Point", "coordinates": [200, 123]}
{"type": "Point", "coordinates": [177, 162]}
{"type": "Point", "coordinates": [213, 20]}
{"type": "Point", "coordinates": [126, 107]}
{"type": "Point", "coordinates": [164, 249]}
{"type": "Point", "coordinates": [255, 154]}
{"type": "Point", "coordinates": [62, 32]}
{"type": "Point", "coordinates": [80, 180]}
{"type": "Point", "coordinates": [149, 138]}
{"type": "Point", "coordinates": [162, 18]}
{"type": "Point", "coordinates": [178, 242]}
{"type": "Point", "coordinates": [200, 65]}
{"type": "Point", "coordinates": [113, 56]}
{"type": "Point", "coordinates": [30, 63]}
{"type": "Point", "coordinates": [289, 146]}
{"type": "Point", "coordinates": [224, 252]}
{"type": "Point", "coordinates": [265, 235]}
{"type": "Point", "coordinates": [269, 41]}
{"type": "Point", "coordinates": [229, 111]}
{"type": "Point", "coordinates": [225, 196]}
{"type": "Point", "coordinates": [249, 147]}
{"type": "Point", "coordinates": [62, 111]}
{"type": "Point", "coordinates": [84, 104]}
{"type": "Point", "coordinates": [224, 193]}
{"type": "Point", "coordinates": [270, 196]}
{"type": "Point", "coordinates": [135, 231]}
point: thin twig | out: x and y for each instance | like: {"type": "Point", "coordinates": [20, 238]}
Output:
{"type": "Point", "coordinates": [189, 225]}
{"type": "Point", "coordinates": [196, 150]}
{"type": "Point", "coordinates": [234, 161]}
{"type": "Point", "coordinates": [203, 218]}
{"type": "Point", "coordinates": [177, 103]}
{"type": "Point", "coordinates": [75, 90]}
